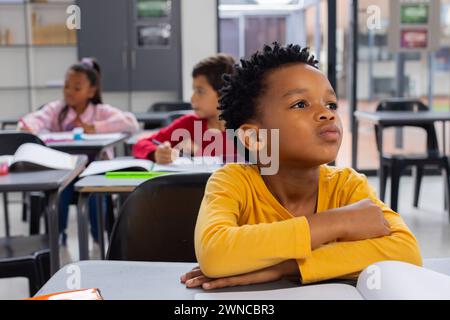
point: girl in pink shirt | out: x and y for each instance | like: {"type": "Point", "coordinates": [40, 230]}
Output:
{"type": "Point", "coordinates": [82, 107]}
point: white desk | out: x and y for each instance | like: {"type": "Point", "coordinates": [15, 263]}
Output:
{"type": "Point", "coordinates": [139, 280]}
{"type": "Point", "coordinates": [53, 182]}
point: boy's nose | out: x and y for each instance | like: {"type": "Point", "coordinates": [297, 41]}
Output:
{"type": "Point", "coordinates": [325, 115]}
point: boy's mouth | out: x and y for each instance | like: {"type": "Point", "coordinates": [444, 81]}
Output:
{"type": "Point", "coordinates": [330, 132]}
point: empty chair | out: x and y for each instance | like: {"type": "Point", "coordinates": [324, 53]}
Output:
{"type": "Point", "coordinates": [169, 106]}
{"type": "Point", "coordinates": [394, 164]}
{"type": "Point", "coordinates": [27, 257]}
{"type": "Point", "coordinates": [175, 115]}
{"type": "Point", "coordinates": [157, 221]}
{"type": "Point", "coordinates": [24, 256]}
{"type": "Point", "coordinates": [9, 143]}
{"type": "Point", "coordinates": [164, 107]}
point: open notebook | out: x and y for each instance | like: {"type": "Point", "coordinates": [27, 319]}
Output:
{"type": "Point", "coordinates": [182, 164]}
{"type": "Point", "coordinates": [31, 156]}
{"type": "Point", "coordinates": [68, 136]}
{"type": "Point", "coordinates": [84, 294]}
{"type": "Point", "coordinates": [387, 280]}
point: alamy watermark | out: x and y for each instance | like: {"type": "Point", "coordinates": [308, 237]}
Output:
{"type": "Point", "coordinates": [374, 17]}
{"type": "Point", "coordinates": [373, 281]}
{"type": "Point", "coordinates": [73, 281]}
{"type": "Point", "coordinates": [74, 19]}
{"type": "Point", "coordinates": [263, 145]}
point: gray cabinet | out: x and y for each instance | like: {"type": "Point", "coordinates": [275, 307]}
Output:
{"type": "Point", "coordinates": [136, 42]}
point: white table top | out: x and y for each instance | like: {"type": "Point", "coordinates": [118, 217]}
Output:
{"type": "Point", "coordinates": [138, 280]}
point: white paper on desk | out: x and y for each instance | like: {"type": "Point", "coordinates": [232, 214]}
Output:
{"type": "Point", "coordinates": [43, 156]}
{"type": "Point", "coordinates": [56, 136]}
{"type": "Point", "coordinates": [101, 136]}
{"type": "Point", "coordinates": [194, 164]}
{"type": "Point", "coordinates": [392, 280]}
{"type": "Point", "coordinates": [100, 167]}
{"type": "Point", "coordinates": [85, 136]}
{"type": "Point", "coordinates": [312, 292]}
{"type": "Point", "coordinates": [386, 280]}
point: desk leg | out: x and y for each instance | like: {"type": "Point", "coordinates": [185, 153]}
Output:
{"type": "Point", "coordinates": [83, 223]}
{"type": "Point", "coordinates": [53, 228]}
{"type": "Point", "coordinates": [6, 212]}
{"type": "Point", "coordinates": [101, 225]}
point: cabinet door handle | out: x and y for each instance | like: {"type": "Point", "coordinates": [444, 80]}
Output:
{"type": "Point", "coordinates": [133, 59]}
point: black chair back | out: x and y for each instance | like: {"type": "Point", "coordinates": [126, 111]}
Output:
{"type": "Point", "coordinates": [169, 106]}
{"type": "Point", "coordinates": [11, 141]}
{"type": "Point", "coordinates": [157, 221]}
{"type": "Point", "coordinates": [399, 104]}
{"type": "Point", "coordinates": [175, 115]}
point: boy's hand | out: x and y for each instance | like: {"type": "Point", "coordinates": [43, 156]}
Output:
{"type": "Point", "coordinates": [363, 220]}
{"type": "Point", "coordinates": [195, 277]}
{"type": "Point", "coordinates": [165, 154]}
{"type": "Point", "coordinates": [187, 147]}
{"type": "Point", "coordinates": [359, 221]}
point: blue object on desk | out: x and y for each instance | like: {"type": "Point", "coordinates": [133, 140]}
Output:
{"type": "Point", "coordinates": [78, 133]}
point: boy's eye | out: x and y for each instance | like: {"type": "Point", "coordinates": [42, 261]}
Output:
{"type": "Point", "coordinates": [300, 105]}
{"type": "Point", "coordinates": [333, 106]}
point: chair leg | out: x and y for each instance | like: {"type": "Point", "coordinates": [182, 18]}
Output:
{"type": "Point", "coordinates": [101, 225]}
{"type": "Point", "coordinates": [25, 198]}
{"type": "Point", "coordinates": [34, 279]}
{"type": "Point", "coordinates": [36, 208]}
{"type": "Point", "coordinates": [417, 183]}
{"type": "Point", "coordinates": [446, 177]}
{"type": "Point", "coordinates": [6, 212]}
{"type": "Point", "coordinates": [43, 263]}
{"type": "Point", "coordinates": [395, 184]}
{"type": "Point", "coordinates": [446, 199]}
{"type": "Point", "coordinates": [383, 181]}
{"type": "Point", "coordinates": [110, 218]}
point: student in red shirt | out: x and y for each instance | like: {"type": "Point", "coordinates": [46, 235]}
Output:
{"type": "Point", "coordinates": [201, 126]}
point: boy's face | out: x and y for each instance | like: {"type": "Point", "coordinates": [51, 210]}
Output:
{"type": "Point", "coordinates": [300, 102]}
{"type": "Point", "coordinates": [77, 89]}
{"type": "Point", "coordinates": [205, 99]}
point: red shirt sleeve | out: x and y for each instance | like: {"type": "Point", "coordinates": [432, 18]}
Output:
{"type": "Point", "coordinates": [144, 148]}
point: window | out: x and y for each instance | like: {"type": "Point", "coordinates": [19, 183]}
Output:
{"type": "Point", "coordinates": [246, 25]}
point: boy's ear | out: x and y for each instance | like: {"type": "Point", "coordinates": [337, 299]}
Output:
{"type": "Point", "coordinates": [249, 136]}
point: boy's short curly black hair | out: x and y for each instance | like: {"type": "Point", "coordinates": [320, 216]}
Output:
{"type": "Point", "coordinates": [241, 90]}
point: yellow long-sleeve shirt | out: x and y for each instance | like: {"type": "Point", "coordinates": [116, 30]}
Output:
{"type": "Point", "coordinates": [241, 228]}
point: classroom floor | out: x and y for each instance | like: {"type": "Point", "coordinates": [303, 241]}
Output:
{"type": "Point", "coordinates": [430, 224]}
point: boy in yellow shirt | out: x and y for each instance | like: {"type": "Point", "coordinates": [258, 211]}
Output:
{"type": "Point", "coordinates": [309, 220]}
